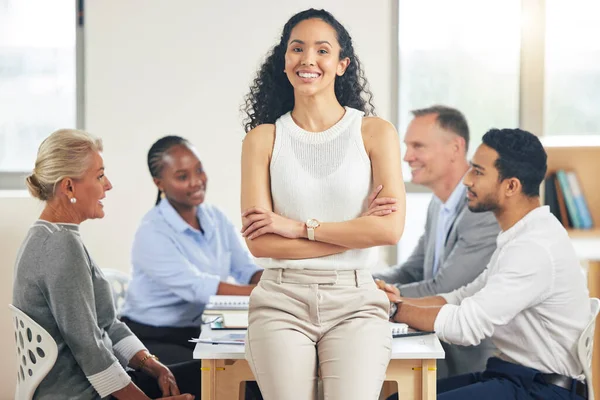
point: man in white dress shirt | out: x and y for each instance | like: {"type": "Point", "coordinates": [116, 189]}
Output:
{"type": "Point", "coordinates": [532, 299]}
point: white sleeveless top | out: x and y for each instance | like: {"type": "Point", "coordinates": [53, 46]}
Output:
{"type": "Point", "coordinates": [324, 175]}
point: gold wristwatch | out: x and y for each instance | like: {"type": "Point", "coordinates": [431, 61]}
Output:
{"type": "Point", "coordinates": [311, 225]}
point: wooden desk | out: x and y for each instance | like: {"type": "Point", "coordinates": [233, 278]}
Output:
{"type": "Point", "coordinates": [412, 368]}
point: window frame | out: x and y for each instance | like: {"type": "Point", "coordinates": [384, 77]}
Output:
{"type": "Point", "coordinates": [15, 180]}
{"type": "Point", "coordinates": [531, 89]}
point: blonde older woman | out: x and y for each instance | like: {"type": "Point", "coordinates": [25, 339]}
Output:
{"type": "Point", "coordinates": [58, 285]}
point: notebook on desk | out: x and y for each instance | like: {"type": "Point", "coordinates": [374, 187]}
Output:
{"type": "Point", "coordinates": [224, 319]}
{"type": "Point", "coordinates": [219, 302]}
{"type": "Point", "coordinates": [403, 330]}
{"type": "Point", "coordinates": [227, 312]}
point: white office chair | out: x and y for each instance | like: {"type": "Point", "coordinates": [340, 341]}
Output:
{"type": "Point", "coordinates": [586, 345]}
{"type": "Point", "coordinates": [118, 281]}
{"type": "Point", "coordinates": [36, 353]}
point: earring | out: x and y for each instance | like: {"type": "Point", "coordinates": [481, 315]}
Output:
{"type": "Point", "coordinates": [73, 200]}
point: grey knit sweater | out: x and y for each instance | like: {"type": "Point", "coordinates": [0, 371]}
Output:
{"type": "Point", "coordinates": [59, 286]}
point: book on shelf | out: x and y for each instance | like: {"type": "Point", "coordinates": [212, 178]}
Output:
{"type": "Point", "coordinates": [582, 208]}
{"type": "Point", "coordinates": [570, 197]}
{"type": "Point", "coordinates": [564, 215]}
{"type": "Point", "coordinates": [551, 197]}
{"type": "Point", "coordinates": [555, 200]}
{"type": "Point", "coordinates": [563, 181]}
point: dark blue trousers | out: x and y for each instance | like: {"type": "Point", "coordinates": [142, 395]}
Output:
{"type": "Point", "coordinates": [501, 380]}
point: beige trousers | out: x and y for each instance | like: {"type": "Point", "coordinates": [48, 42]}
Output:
{"type": "Point", "coordinates": [334, 320]}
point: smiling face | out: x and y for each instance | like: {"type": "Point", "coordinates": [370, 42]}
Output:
{"type": "Point", "coordinates": [483, 185]}
{"type": "Point", "coordinates": [182, 179]}
{"type": "Point", "coordinates": [312, 58]}
{"type": "Point", "coordinates": [90, 189]}
{"type": "Point", "coordinates": [429, 150]}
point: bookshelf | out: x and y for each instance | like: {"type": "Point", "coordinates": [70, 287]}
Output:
{"type": "Point", "coordinates": [584, 233]}
{"type": "Point", "coordinates": [584, 159]}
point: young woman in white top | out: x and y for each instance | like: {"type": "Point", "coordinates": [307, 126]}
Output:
{"type": "Point", "coordinates": [309, 161]}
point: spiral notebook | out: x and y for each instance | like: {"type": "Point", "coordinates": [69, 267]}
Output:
{"type": "Point", "coordinates": [398, 328]}
{"type": "Point", "coordinates": [403, 330]}
{"type": "Point", "coordinates": [219, 302]}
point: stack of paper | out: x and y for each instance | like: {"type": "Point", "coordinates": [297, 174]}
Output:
{"type": "Point", "coordinates": [230, 338]}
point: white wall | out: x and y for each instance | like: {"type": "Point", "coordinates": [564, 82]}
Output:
{"type": "Point", "coordinates": [183, 68]}
{"type": "Point", "coordinates": [16, 214]}
{"type": "Point", "coordinates": [178, 67]}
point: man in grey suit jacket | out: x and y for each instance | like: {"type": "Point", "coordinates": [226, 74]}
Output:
{"type": "Point", "coordinates": [457, 244]}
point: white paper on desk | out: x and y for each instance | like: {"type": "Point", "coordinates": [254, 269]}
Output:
{"type": "Point", "coordinates": [230, 338]}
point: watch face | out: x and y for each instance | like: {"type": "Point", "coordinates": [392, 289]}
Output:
{"type": "Point", "coordinates": [312, 223]}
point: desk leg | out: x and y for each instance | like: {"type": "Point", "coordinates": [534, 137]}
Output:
{"type": "Point", "coordinates": [429, 374]}
{"type": "Point", "coordinates": [594, 288]}
{"type": "Point", "coordinates": [221, 379]}
{"type": "Point", "coordinates": [209, 379]}
{"type": "Point", "coordinates": [415, 379]}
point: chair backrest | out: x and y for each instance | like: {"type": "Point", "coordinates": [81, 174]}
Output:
{"type": "Point", "coordinates": [118, 282]}
{"type": "Point", "coordinates": [585, 346]}
{"type": "Point", "coordinates": [36, 353]}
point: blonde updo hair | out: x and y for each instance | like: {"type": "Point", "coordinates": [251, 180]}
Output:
{"type": "Point", "coordinates": [66, 153]}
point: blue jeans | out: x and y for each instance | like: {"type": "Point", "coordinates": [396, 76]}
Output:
{"type": "Point", "coordinates": [501, 380]}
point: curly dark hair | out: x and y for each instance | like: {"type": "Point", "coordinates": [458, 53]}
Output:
{"type": "Point", "coordinates": [521, 155]}
{"type": "Point", "coordinates": [271, 94]}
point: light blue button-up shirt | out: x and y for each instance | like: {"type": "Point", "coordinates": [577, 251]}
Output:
{"type": "Point", "coordinates": [448, 213]}
{"type": "Point", "coordinates": [176, 267]}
